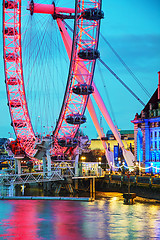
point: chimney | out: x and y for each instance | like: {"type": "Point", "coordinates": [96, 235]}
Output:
{"type": "Point", "coordinates": [158, 85]}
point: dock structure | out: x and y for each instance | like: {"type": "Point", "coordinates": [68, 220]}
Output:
{"type": "Point", "coordinates": [87, 199]}
{"type": "Point", "coordinates": [37, 177]}
{"type": "Point", "coordinates": [69, 182]}
{"type": "Point", "coordinates": [92, 185]}
{"type": "Point", "coordinates": [52, 175]}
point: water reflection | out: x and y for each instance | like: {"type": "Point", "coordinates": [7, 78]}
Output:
{"type": "Point", "coordinates": [69, 220]}
{"type": "Point", "coordinates": [22, 222]}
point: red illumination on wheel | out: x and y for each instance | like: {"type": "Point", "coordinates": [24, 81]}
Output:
{"type": "Point", "coordinates": [14, 74]}
{"type": "Point", "coordinates": [82, 63]}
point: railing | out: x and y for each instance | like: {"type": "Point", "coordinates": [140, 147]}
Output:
{"type": "Point", "coordinates": [59, 172]}
{"type": "Point", "coordinates": [65, 169]}
{"type": "Point", "coordinates": [138, 180]}
{"type": "Point", "coordinates": [4, 158]}
{"type": "Point", "coordinates": [14, 179]}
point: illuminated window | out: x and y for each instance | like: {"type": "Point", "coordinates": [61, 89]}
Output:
{"type": "Point", "coordinates": [157, 156]}
{"type": "Point", "coordinates": [152, 124]}
{"type": "Point", "coordinates": [157, 124]}
{"type": "Point", "coordinates": [153, 156]}
{"type": "Point", "coordinates": [155, 145]}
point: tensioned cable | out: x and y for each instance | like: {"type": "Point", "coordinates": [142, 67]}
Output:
{"type": "Point", "coordinates": [44, 60]}
{"type": "Point", "coordinates": [126, 66]}
{"type": "Point", "coordinates": [61, 59]}
{"type": "Point", "coordinates": [33, 64]}
{"type": "Point", "coordinates": [68, 26]}
{"type": "Point", "coordinates": [30, 56]}
{"type": "Point", "coordinates": [114, 74]}
{"type": "Point", "coordinates": [120, 80]}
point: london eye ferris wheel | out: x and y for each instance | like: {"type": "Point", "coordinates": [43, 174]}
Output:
{"type": "Point", "coordinates": [48, 71]}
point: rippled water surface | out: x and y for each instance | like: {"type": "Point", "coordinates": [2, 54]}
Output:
{"type": "Point", "coordinates": [102, 219]}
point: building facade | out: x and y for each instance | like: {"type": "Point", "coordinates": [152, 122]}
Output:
{"type": "Point", "coordinates": [147, 133]}
{"type": "Point", "coordinates": [127, 137]}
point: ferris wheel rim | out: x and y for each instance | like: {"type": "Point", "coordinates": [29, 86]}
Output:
{"type": "Point", "coordinates": [29, 144]}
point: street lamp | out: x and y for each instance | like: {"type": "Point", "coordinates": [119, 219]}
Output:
{"type": "Point", "coordinates": [99, 159]}
{"type": "Point", "coordinates": [83, 158]}
{"type": "Point", "coordinates": [119, 161]}
{"type": "Point", "coordinates": [139, 166]}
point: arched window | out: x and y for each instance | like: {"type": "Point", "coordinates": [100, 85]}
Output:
{"type": "Point", "coordinates": [139, 146]}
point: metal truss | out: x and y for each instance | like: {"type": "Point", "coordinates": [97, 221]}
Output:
{"type": "Point", "coordinates": [30, 178]}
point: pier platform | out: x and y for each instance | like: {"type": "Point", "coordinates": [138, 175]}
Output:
{"type": "Point", "coordinates": [86, 199]}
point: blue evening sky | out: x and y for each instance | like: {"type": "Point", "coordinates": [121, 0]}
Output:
{"type": "Point", "coordinates": [132, 28]}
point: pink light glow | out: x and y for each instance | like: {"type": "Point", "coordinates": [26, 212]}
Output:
{"type": "Point", "coordinates": [51, 9]}
{"type": "Point", "coordinates": [23, 221]}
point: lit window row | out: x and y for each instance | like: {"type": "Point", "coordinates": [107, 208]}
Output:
{"type": "Point", "coordinates": [154, 157]}
{"type": "Point", "coordinates": [155, 134]}
{"type": "Point", "coordinates": [154, 124]}
{"type": "Point", "coordinates": [155, 145]}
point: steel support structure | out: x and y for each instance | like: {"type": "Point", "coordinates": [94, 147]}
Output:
{"type": "Point", "coordinates": [30, 178]}
{"type": "Point", "coordinates": [86, 35]}
{"type": "Point", "coordinates": [81, 72]}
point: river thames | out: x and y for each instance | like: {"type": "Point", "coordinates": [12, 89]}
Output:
{"type": "Point", "coordinates": [106, 218]}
